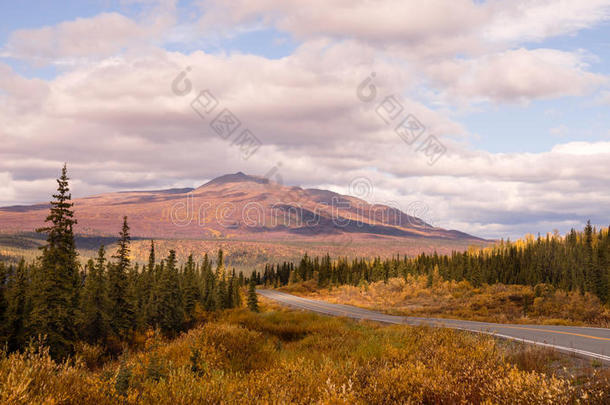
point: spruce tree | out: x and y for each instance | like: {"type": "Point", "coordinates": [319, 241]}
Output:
{"type": "Point", "coordinates": [234, 291]}
{"type": "Point", "coordinates": [149, 284]}
{"type": "Point", "coordinates": [210, 292]}
{"type": "Point", "coordinates": [54, 288]}
{"type": "Point", "coordinates": [170, 306]}
{"type": "Point", "coordinates": [4, 328]}
{"type": "Point", "coordinates": [590, 282]}
{"type": "Point", "coordinates": [220, 267]}
{"type": "Point", "coordinates": [94, 319]}
{"type": "Point", "coordinates": [252, 297]}
{"type": "Point", "coordinates": [151, 257]}
{"type": "Point", "coordinates": [222, 293]}
{"type": "Point", "coordinates": [16, 296]}
{"type": "Point", "coordinates": [190, 287]}
{"type": "Point", "coordinates": [121, 311]}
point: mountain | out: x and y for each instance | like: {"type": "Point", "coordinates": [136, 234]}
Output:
{"type": "Point", "coordinates": [234, 206]}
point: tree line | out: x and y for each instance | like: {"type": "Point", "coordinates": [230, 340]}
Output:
{"type": "Point", "coordinates": [109, 298]}
{"type": "Point", "coordinates": [578, 261]}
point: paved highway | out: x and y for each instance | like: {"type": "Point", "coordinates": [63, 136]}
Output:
{"type": "Point", "coordinates": [584, 342]}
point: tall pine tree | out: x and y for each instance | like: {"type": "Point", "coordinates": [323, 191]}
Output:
{"type": "Point", "coordinates": [54, 288]}
{"type": "Point", "coordinates": [121, 311]}
{"type": "Point", "coordinates": [170, 306]}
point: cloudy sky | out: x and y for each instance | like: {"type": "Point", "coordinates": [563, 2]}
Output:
{"type": "Point", "coordinates": [512, 100]}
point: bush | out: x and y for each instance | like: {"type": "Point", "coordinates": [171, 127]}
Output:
{"type": "Point", "coordinates": [234, 360]}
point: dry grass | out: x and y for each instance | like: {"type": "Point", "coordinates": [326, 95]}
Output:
{"type": "Point", "coordinates": [491, 303]}
{"type": "Point", "coordinates": [281, 356]}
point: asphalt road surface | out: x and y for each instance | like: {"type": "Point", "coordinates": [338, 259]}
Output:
{"type": "Point", "coordinates": [584, 342]}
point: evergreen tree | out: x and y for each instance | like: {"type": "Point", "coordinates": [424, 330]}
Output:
{"type": "Point", "coordinates": [190, 288]}
{"type": "Point", "coordinates": [210, 296]}
{"type": "Point", "coordinates": [5, 329]}
{"type": "Point", "coordinates": [234, 291]}
{"type": "Point", "coordinates": [220, 267]}
{"type": "Point", "coordinates": [252, 297]}
{"type": "Point", "coordinates": [94, 319]}
{"type": "Point", "coordinates": [151, 257]}
{"type": "Point", "coordinates": [54, 288]}
{"type": "Point", "coordinates": [121, 311]}
{"type": "Point", "coordinates": [149, 282]}
{"type": "Point", "coordinates": [170, 306]}
{"type": "Point", "coordinates": [16, 296]}
{"type": "Point", "coordinates": [590, 281]}
{"type": "Point", "coordinates": [221, 293]}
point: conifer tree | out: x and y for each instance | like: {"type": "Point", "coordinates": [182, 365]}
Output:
{"type": "Point", "coordinates": [222, 293]}
{"type": "Point", "coordinates": [136, 295]}
{"type": "Point", "coordinates": [220, 267]}
{"type": "Point", "coordinates": [210, 296]}
{"type": "Point", "coordinates": [16, 296]}
{"type": "Point", "coordinates": [170, 306]}
{"type": "Point", "coordinates": [54, 287]}
{"type": "Point", "coordinates": [590, 282]}
{"type": "Point", "coordinates": [151, 257]}
{"type": "Point", "coordinates": [149, 282]}
{"type": "Point", "coordinates": [234, 291]}
{"type": "Point", "coordinates": [5, 330]}
{"type": "Point", "coordinates": [252, 297]}
{"type": "Point", "coordinates": [94, 308]}
{"type": "Point", "coordinates": [121, 312]}
{"type": "Point", "coordinates": [190, 288]}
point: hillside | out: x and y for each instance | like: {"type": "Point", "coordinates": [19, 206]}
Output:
{"type": "Point", "coordinates": [239, 207]}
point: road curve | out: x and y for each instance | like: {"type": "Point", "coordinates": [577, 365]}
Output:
{"type": "Point", "coordinates": [585, 342]}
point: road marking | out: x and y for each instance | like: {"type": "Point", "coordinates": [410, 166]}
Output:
{"type": "Point", "coordinates": [358, 313]}
{"type": "Point", "coordinates": [374, 316]}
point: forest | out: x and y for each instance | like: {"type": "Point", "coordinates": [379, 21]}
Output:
{"type": "Point", "coordinates": [579, 261]}
{"type": "Point", "coordinates": [109, 301]}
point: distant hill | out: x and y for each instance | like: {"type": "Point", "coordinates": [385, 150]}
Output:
{"type": "Point", "coordinates": [236, 206]}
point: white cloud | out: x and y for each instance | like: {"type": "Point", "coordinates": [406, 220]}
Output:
{"type": "Point", "coordinates": [535, 20]}
{"type": "Point", "coordinates": [99, 36]}
{"type": "Point", "coordinates": [447, 26]}
{"type": "Point", "coordinates": [85, 39]}
{"type": "Point", "coordinates": [119, 126]}
{"type": "Point", "coordinates": [516, 76]}
{"type": "Point", "coordinates": [117, 123]}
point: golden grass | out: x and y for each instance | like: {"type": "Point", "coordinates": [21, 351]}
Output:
{"type": "Point", "coordinates": [281, 356]}
{"type": "Point", "coordinates": [499, 303]}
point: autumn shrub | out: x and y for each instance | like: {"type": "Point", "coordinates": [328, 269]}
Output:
{"type": "Point", "coordinates": [416, 296]}
{"type": "Point", "coordinates": [246, 358]}
{"type": "Point", "coordinates": [93, 356]}
{"type": "Point", "coordinates": [32, 377]}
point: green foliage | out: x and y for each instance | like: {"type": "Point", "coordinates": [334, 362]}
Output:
{"type": "Point", "coordinates": [108, 303]}
{"type": "Point", "coordinates": [252, 297]}
{"type": "Point", "coordinates": [94, 314]}
{"type": "Point", "coordinates": [16, 308]}
{"type": "Point", "coordinates": [580, 261]}
{"type": "Point", "coordinates": [54, 287]}
{"type": "Point", "coordinates": [121, 311]}
{"type": "Point", "coordinates": [170, 310]}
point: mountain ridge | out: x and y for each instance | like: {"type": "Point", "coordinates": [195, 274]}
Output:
{"type": "Point", "coordinates": [238, 206]}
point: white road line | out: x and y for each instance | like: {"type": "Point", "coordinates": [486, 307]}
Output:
{"type": "Point", "coordinates": [301, 303]}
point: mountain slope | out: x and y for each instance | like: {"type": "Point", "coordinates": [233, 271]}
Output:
{"type": "Point", "coordinates": [234, 206]}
